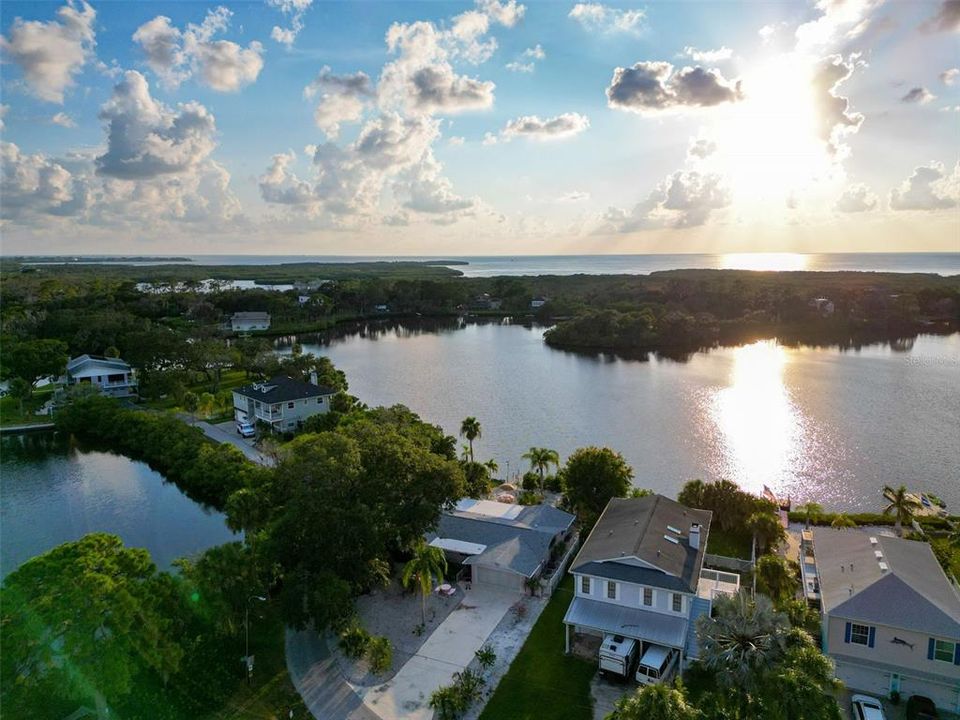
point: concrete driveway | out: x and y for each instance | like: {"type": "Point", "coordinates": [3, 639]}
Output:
{"type": "Point", "coordinates": [227, 433]}
{"type": "Point", "coordinates": [449, 649]}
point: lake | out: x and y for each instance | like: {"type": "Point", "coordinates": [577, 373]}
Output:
{"type": "Point", "coordinates": [821, 424]}
{"type": "Point", "coordinates": [54, 492]}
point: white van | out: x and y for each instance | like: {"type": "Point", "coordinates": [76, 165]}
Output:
{"type": "Point", "coordinates": [618, 654]}
{"type": "Point", "coordinates": [657, 665]}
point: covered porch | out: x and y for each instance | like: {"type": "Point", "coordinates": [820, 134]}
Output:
{"type": "Point", "coordinates": [587, 621]}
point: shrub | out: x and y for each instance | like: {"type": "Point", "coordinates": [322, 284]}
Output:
{"type": "Point", "coordinates": [486, 657]}
{"type": "Point", "coordinates": [354, 641]}
{"type": "Point", "coordinates": [447, 703]}
{"type": "Point", "coordinates": [379, 654]}
{"type": "Point", "coordinates": [553, 483]}
{"type": "Point", "coordinates": [531, 481]}
{"type": "Point", "coordinates": [528, 497]}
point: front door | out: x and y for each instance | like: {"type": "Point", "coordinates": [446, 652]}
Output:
{"type": "Point", "coordinates": [894, 682]}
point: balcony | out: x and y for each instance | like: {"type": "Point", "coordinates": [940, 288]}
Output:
{"type": "Point", "coordinates": [717, 582]}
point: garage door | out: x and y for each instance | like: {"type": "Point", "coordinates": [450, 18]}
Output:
{"type": "Point", "coordinates": [863, 679]}
{"type": "Point", "coordinates": [943, 696]}
{"type": "Point", "coordinates": [490, 577]}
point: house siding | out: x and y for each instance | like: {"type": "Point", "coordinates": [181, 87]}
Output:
{"type": "Point", "coordinates": [631, 595]}
{"type": "Point", "coordinates": [282, 416]}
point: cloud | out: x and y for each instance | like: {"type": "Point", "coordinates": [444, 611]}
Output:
{"type": "Point", "coordinates": [918, 95]}
{"type": "Point", "coordinates": [145, 139]}
{"type": "Point", "coordinates": [700, 148]}
{"type": "Point", "coordinates": [928, 188]}
{"type": "Point", "coordinates": [489, 139]}
{"type": "Point", "coordinates": [174, 55]}
{"type": "Point", "coordinates": [34, 184]}
{"type": "Point", "coordinates": [597, 17]}
{"type": "Point", "coordinates": [295, 10]}
{"type": "Point", "coordinates": [574, 196]}
{"type": "Point", "coordinates": [507, 14]}
{"type": "Point", "coordinates": [685, 199]}
{"type": "Point", "coordinates": [556, 128]}
{"type": "Point", "coordinates": [839, 18]}
{"type": "Point", "coordinates": [426, 190]}
{"type": "Point", "coordinates": [856, 198]}
{"type": "Point", "coordinates": [63, 120]}
{"type": "Point", "coordinates": [527, 60]}
{"type": "Point", "coordinates": [51, 54]}
{"type": "Point", "coordinates": [343, 99]}
{"type": "Point", "coordinates": [834, 117]}
{"type": "Point", "coordinates": [649, 87]}
{"type": "Point", "coordinates": [439, 89]}
{"type": "Point", "coordinates": [947, 18]}
{"type": "Point", "coordinates": [456, 140]}
{"type": "Point", "coordinates": [707, 56]}
{"type": "Point", "coordinates": [4, 109]}
{"type": "Point", "coordinates": [949, 77]}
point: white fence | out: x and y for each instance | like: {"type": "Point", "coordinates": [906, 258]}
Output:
{"type": "Point", "coordinates": [550, 584]}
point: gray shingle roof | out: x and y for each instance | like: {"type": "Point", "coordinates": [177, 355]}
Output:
{"type": "Point", "coordinates": [543, 517]}
{"type": "Point", "coordinates": [282, 389]}
{"type": "Point", "coordinates": [913, 593]}
{"type": "Point", "coordinates": [638, 528]}
{"type": "Point", "coordinates": [521, 550]}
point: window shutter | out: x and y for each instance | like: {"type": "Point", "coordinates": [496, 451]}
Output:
{"type": "Point", "coordinates": [956, 654]}
{"type": "Point", "coordinates": [930, 649]}
{"type": "Point", "coordinates": [846, 635]}
{"type": "Point", "coordinates": [871, 636]}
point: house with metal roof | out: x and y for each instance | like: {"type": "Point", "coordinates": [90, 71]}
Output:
{"type": "Point", "coordinates": [501, 545]}
{"type": "Point", "coordinates": [890, 616]}
{"type": "Point", "coordinates": [281, 402]}
{"type": "Point", "coordinates": [111, 376]}
{"type": "Point", "coordinates": [640, 575]}
{"type": "Point", "coordinates": [247, 321]}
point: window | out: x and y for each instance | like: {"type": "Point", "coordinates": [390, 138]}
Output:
{"type": "Point", "coordinates": [611, 590]}
{"type": "Point", "coordinates": [860, 634]}
{"type": "Point", "coordinates": [648, 596]}
{"type": "Point", "coordinates": [319, 401]}
{"type": "Point", "coordinates": [943, 650]}
{"type": "Point", "coordinates": [290, 405]}
{"type": "Point", "coordinates": [677, 602]}
{"type": "Point", "coordinates": [585, 585]}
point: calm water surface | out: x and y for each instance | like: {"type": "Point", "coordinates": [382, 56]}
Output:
{"type": "Point", "coordinates": [51, 493]}
{"type": "Point", "coordinates": [820, 424]}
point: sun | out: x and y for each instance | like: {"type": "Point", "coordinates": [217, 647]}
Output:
{"type": "Point", "coordinates": [769, 145]}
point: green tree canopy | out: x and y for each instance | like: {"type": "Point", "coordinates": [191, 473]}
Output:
{"type": "Point", "coordinates": [471, 430]}
{"type": "Point", "coordinates": [654, 702]}
{"type": "Point", "coordinates": [591, 477]}
{"type": "Point", "coordinates": [33, 359]}
{"type": "Point", "coordinates": [903, 505]}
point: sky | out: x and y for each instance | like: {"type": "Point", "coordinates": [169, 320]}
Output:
{"type": "Point", "coordinates": [485, 128]}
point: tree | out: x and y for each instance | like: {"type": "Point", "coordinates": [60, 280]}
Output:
{"type": "Point", "coordinates": [775, 578]}
{"type": "Point", "coordinates": [954, 535]}
{"type": "Point", "coordinates": [654, 702]}
{"type": "Point", "coordinates": [842, 521]}
{"type": "Point", "coordinates": [470, 429]}
{"type": "Point", "coordinates": [206, 404]}
{"type": "Point", "coordinates": [34, 359]}
{"type": "Point", "coordinates": [902, 506]}
{"type": "Point", "coordinates": [428, 562]}
{"type": "Point", "coordinates": [692, 494]}
{"type": "Point", "coordinates": [477, 479]}
{"type": "Point", "coordinates": [190, 403]}
{"type": "Point", "coordinates": [540, 460]}
{"type": "Point", "coordinates": [591, 477]}
{"type": "Point", "coordinates": [21, 390]}
{"type": "Point", "coordinates": [810, 510]}
{"type": "Point", "coordinates": [84, 615]}
{"type": "Point", "coordinates": [766, 528]}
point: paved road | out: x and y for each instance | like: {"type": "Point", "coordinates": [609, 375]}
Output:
{"type": "Point", "coordinates": [319, 681]}
{"type": "Point", "coordinates": [220, 435]}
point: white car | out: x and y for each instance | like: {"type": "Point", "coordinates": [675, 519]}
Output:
{"type": "Point", "coordinates": [246, 429]}
{"type": "Point", "coordinates": [864, 707]}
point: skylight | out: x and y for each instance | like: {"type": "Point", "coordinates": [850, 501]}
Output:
{"type": "Point", "coordinates": [671, 539]}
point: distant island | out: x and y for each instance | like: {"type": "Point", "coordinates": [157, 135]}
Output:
{"type": "Point", "coordinates": [90, 259]}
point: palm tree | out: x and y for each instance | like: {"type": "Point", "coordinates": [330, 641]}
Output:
{"type": "Point", "coordinates": [470, 429]}
{"type": "Point", "coordinates": [427, 562]}
{"type": "Point", "coordinates": [767, 530]}
{"type": "Point", "coordinates": [902, 506]}
{"type": "Point", "coordinates": [654, 701]}
{"type": "Point", "coordinates": [492, 466]}
{"type": "Point", "coordinates": [843, 521]}
{"type": "Point", "coordinates": [540, 460]}
{"type": "Point", "coordinates": [810, 510]}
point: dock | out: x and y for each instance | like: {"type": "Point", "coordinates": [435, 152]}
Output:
{"type": "Point", "coordinates": [25, 428]}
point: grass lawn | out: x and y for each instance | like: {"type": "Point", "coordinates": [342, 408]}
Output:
{"type": "Point", "coordinates": [542, 682]}
{"type": "Point", "coordinates": [229, 379]}
{"type": "Point", "coordinates": [728, 544]}
{"type": "Point", "coordinates": [10, 408]}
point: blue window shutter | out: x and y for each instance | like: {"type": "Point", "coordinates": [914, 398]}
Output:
{"type": "Point", "coordinates": [846, 634]}
{"type": "Point", "coordinates": [956, 654]}
{"type": "Point", "coordinates": [871, 636]}
{"type": "Point", "coordinates": [930, 649]}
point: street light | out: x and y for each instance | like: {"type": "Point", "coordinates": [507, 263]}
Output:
{"type": "Point", "coordinates": [246, 632]}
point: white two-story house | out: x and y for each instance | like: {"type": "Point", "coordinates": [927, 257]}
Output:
{"type": "Point", "coordinates": [890, 616]}
{"type": "Point", "coordinates": [247, 321]}
{"type": "Point", "coordinates": [638, 576]}
{"type": "Point", "coordinates": [111, 376]}
{"type": "Point", "coordinates": [281, 402]}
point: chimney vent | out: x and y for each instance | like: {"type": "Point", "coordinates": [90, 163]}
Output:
{"type": "Point", "coordinates": [694, 539]}
{"type": "Point", "coordinates": [313, 377]}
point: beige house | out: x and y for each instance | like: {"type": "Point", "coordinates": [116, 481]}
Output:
{"type": "Point", "coordinates": [890, 616]}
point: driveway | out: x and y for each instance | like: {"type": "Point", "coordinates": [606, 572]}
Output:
{"type": "Point", "coordinates": [317, 678]}
{"type": "Point", "coordinates": [449, 649]}
{"type": "Point", "coordinates": [226, 433]}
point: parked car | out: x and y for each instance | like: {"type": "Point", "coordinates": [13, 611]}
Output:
{"type": "Point", "coordinates": [921, 708]}
{"type": "Point", "coordinates": [864, 707]}
{"type": "Point", "coordinates": [246, 429]}
{"type": "Point", "coordinates": [657, 665]}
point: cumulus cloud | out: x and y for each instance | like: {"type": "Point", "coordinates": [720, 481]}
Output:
{"type": "Point", "coordinates": [685, 199]}
{"type": "Point", "coordinates": [342, 99]}
{"type": "Point", "coordinates": [949, 77]}
{"type": "Point", "coordinates": [838, 19]}
{"type": "Point", "coordinates": [63, 120]}
{"type": "Point", "coordinates": [556, 128]}
{"type": "Point", "coordinates": [527, 61]}
{"type": "Point", "coordinates": [919, 95]}
{"type": "Point", "coordinates": [707, 56]}
{"type": "Point", "coordinates": [51, 54]}
{"type": "Point", "coordinates": [574, 196]}
{"type": "Point", "coordinates": [4, 109]}
{"type": "Point", "coordinates": [294, 9]}
{"type": "Point", "coordinates": [835, 119]}
{"type": "Point", "coordinates": [145, 139]}
{"type": "Point", "coordinates": [424, 189]}
{"type": "Point", "coordinates": [598, 17]}
{"type": "Point", "coordinates": [700, 148]}
{"type": "Point", "coordinates": [650, 87]}
{"type": "Point", "coordinates": [947, 18]}
{"type": "Point", "coordinates": [507, 14]}
{"type": "Point", "coordinates": [928, 188]}
{"type": "Point", "coordinates": [856, 198]}
{"type": "Point", "coordinates": [174, 55]}
{"type": "Point", "coordinates": [438, 89]}
{"type": "Point", "coordinates": [34, 184]}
